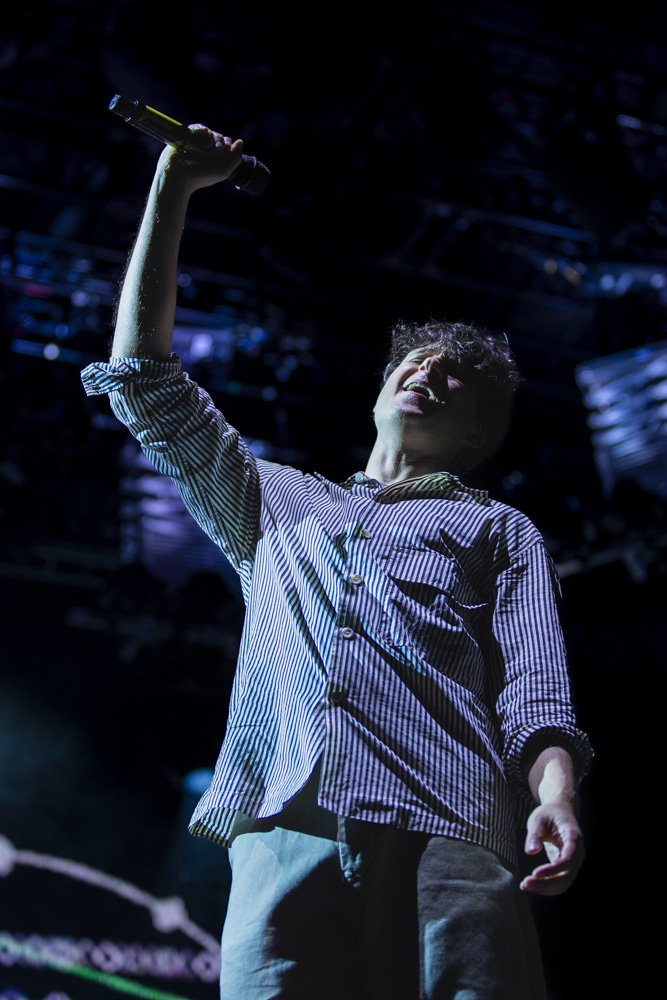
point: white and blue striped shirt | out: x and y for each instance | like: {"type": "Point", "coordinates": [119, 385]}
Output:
{"type": "Point", "coordinates": [407, 636]}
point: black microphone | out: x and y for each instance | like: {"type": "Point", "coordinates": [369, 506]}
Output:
{"type": "Point", "coordinates": [251, 175]}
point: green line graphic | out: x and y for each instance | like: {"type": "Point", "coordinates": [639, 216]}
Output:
{"type": "Point", "coordinates": [119, 983]}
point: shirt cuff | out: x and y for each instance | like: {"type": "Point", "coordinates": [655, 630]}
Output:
{"type": "Point", "coordinates": [103, 377]}
{"type": "Point", "coordinates": [540, 737]}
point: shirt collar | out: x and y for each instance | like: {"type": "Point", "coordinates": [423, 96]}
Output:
{"type": "Point", "coordinates": [439, 483]}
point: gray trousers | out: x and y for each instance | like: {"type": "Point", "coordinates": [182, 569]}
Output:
{"type": "Point", "coordinates": [323, 907]}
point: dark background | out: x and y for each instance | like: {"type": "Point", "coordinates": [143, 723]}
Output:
{"type": "Point", "coordinates": [498, 162]}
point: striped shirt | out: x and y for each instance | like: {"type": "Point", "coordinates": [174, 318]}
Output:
{"type": "Point", "coordinates": [407, 637]}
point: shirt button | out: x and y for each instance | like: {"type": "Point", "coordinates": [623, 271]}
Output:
{"type": "Point", "coordinates": [347, 633]}
{"type": "Point", "coordinates": [365, 533]}
{"type": "Point", "coordinates": [336, 696]}
{"type": "Point", "coordinates": [356, 579]}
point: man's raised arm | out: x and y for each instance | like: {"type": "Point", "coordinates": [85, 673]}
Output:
{"type": "Point", "coordinates": [147, 304]}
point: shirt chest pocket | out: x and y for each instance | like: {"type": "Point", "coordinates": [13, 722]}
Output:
{"type": "Point", "coordinates": [427, 574]}
{"type": "Point", "coordinates": [428, 594]}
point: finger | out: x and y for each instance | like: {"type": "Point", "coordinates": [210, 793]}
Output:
{"type": "Point", "coordinates": [551, 873]}
{"type": "Point", "coordinates": [537, 831]}
{"type": "Point", "coordinates": [203, 138]}
{"type": "Point", "coordinates": [562, 860]}
{"type": "Point", "coordinates": [550, 879]}
{"type": "Point", "coordinates": [555, 876]}
{"type": "Point", "coordinates": [208, 139]}
{"type": "Point", "coordinates": [552, 870]}
{"type": "Point", "coordinates": [547, 886]}
{"type": "Point", "coordinates": [557, 838]}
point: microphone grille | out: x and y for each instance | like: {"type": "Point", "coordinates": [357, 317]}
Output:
{"type": "Point", "coordinates": [251, 175]}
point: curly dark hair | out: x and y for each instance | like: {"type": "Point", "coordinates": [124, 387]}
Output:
{"type": "Point", "coordinates": [490, 361]}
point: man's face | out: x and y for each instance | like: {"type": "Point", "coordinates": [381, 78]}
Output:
{"type": "Point", "coordinates": [430, 400]}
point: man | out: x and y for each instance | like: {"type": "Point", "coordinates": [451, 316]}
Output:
{"type": "Point", "coordinates": [401, 691]}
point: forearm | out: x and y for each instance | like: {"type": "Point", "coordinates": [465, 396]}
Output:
{"type": "Point", "coordinates": [147, 303]}
{"type": "Point", "coordinates": [551, 777]}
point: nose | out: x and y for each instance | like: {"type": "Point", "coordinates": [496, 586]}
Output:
{"type": "Point", "coordinates": [432, 359]}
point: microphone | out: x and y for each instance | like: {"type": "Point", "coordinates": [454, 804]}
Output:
{"type": "Point", "coordinates": [251, 175]}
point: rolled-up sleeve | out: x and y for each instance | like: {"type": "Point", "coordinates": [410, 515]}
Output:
{"type": "Point", "coordinates": [185, 437]}
{"type": "Point", "coordinates": [534, 698]}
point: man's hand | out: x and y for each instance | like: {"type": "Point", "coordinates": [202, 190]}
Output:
{"type": "Point", "coordinates": [191, 169]}
{"type": "Point", "coordinates": [553, 826]}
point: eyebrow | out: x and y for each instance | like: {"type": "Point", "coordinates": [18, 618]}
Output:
{"type": "Point", "coordinates": [424, 350]}
{"type": "Point", "coordinates": [429, 350]}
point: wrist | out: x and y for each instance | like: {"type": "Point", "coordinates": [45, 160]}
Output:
{"type": "Point", "coordinates": [551, 778]}
{"type": "Point", "coordinates": [562, 799]}
{"type": "Point", "coordinates": [171, 184]}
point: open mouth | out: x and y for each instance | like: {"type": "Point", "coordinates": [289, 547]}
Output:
{"type": "Point", "coordinates": [421, 390]}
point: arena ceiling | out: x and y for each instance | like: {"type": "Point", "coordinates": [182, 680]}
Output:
{"type": "Point", "coordinates": [499, 162]}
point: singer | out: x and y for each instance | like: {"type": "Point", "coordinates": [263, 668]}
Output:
{"type": "Point", "coordinates": [401, 703]}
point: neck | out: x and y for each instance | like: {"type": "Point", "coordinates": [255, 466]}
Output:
{"type": "Point", "coordinates": [389, 465]}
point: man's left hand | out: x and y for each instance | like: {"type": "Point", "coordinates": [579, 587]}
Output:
{"type": "Point", "coordinates": [554, 827]}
